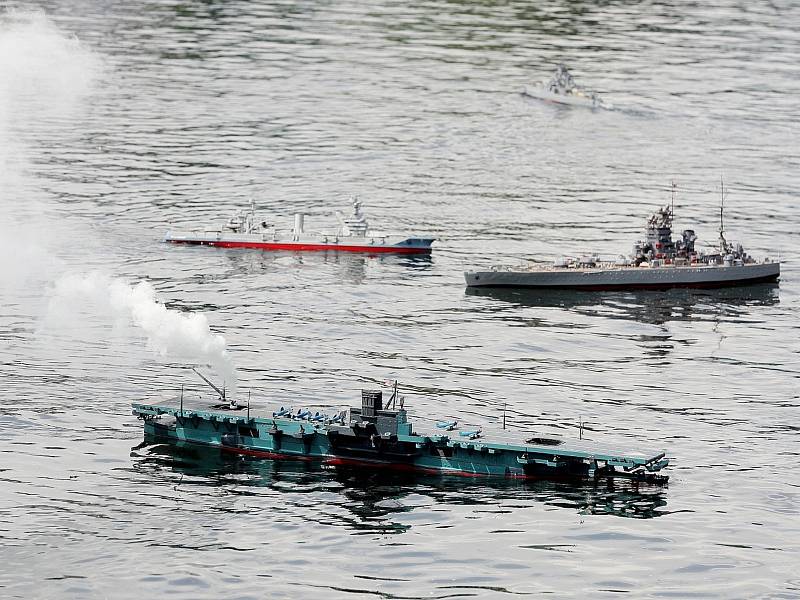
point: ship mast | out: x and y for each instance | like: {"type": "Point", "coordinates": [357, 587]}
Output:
{"type": "Point", "coordinates": [252, 220]}
{"type": "Point", "coordinates": [723, 244]}
{"type": "Point", "coordinates": [672, 205]}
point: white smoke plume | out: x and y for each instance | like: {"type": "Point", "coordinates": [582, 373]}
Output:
{"type": "Point", "coordinates": [169, 332]}
{"type": "Point", "coordinates": [45, 74]}
{"type": "Point", "coordinates": [47, 79]}
{"type": "Point", "coordinates": [41, 64]}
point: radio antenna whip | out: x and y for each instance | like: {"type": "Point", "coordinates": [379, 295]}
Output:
{"type": "Point", "coordinates": [723, 244]}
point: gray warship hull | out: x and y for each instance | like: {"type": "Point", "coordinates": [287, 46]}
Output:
{"type": "Point", "coordinates": [617, 278]}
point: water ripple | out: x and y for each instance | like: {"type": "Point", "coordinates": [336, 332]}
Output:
{"type": "Point", "coordinates": [176, 114]}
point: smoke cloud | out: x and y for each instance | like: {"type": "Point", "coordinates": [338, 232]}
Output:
{"type": "Point", "coordinates": [169, 332]}
{"type": "Point", "coordinates": [46, 77]}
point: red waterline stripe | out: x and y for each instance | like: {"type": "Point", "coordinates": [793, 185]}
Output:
{"type": "Point", "coordinates": [311, 247]}
{"type": "Point", "coordinates": [266, 453]}
{"type": "Point", "coordinates": [340, 461]}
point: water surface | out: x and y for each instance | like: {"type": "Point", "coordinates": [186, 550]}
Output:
{"type": "Point", "coordinates": [119, 120]}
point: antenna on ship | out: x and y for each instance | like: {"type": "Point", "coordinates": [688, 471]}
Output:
{"type": "Point", "coordinates": [393, 399]}
{"type": "Point", "coordinates": [723, 244]}
{"type": "Point", "coordinates": [252, 223]}
{"type": "Point", "coordinates": [672, 205]}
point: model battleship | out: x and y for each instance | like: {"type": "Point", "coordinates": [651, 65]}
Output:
{"type": "Point", "coordinates": [562, 89]}
{"type": "Point", "coordinates": [353, 234]}
{"type": "Point", "coordinates": [657, 262]}
{"type": "Point", "coordinates": [380, 435]}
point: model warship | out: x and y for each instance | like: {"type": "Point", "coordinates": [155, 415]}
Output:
{"type": "Point", "coordinates": [562, 89]}
{"type": "Point", "coordinates": [657, 262]}
{"type": "Point", "coordinates": [380, 435]}
{"type": "Point", "coordinates": [353, 234]}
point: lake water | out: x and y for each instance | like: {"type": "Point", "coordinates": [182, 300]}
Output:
{"type": "Point", "coordinates": [119, 120]}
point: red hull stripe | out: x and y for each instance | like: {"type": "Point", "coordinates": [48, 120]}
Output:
{"type": "Point", "coordinates": [265, 454]}
{"type": "Point", "coordinates": [339, 461]}
{"type": "Point", "coordinates": [298, 247]}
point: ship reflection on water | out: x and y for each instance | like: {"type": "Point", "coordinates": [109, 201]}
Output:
{"type": "Point", "coordinates": [349, 267]}
{"type": "Point", "coordinates": [372, 497]}
{"type": "Point", "coordinates": [653, 307]}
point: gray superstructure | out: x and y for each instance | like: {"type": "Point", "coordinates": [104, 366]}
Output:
{"type": "Point", "coordinates": [657, 262]}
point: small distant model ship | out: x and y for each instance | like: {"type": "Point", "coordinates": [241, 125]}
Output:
{"type": "Point", "coordinates": [562, 89]}
{"type": "Point", "coordinates": [379, 435]}
{"type": "Point", "coordinates": [657, 262]}
{"type": "Point", "coordinates": [243, 230]}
